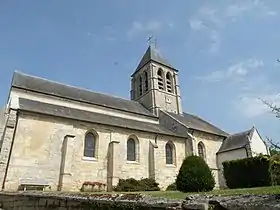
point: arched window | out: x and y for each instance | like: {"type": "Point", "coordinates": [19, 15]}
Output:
{"type": "Point", "coordinates": [90, 145]}
{"type": "Point", "coordinates": [170, 153]}
{"type": "Point", "coordinates": [169, 84]}
{"type": "Point", "coordinates": [146, 81]}
{"type": "Point", "coordinates": [140, 86]}
{"type": "Point", "coordinates": [201, 150]}
{"type": "Point", "coordinates": [160, 79]}
{"type": "Point", "coordinates": [131, 150]}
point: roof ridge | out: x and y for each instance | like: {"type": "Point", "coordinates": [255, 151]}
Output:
{"type": "Point", "coordinates": [206, 121]}
{"type": "Point", "coordinates": [73, 86]}
{"type": "Point", "coordinates": [241, 132]}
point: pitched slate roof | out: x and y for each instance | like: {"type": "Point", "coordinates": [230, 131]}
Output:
{"type": "Point", "coordinates": [41, 85]}
{"type": "Point", "coordinates": [196, 123]}
{"type": "Point", "coordinates": [153, 54]}
{"type": "Point", "coordinates": [236, 141]}
{"type": "Point", "coordinates": [91, 117]}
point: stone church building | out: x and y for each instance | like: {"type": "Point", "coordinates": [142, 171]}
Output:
{"type": "Point", "coordinates": [61, 136]}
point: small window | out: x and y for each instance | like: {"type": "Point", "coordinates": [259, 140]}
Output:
{"type": "Point", "coordinates": [140, 86]}
{"type": "Point", "coordinates": [201, 150]}
{"type": "Point", "coordinates": [160, 79]}
{"type": "Point", "coordinates": [169, 84]}
{"type": "Point", "coordinates": [90, 145]}
{"type": "Point", "coordinates": [131, 150]}
{"type": "Point", "coordinates": [170, 153]}
{"type": "Point", "coordinates": [146, 81]}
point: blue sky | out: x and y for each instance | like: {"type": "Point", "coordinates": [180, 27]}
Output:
{"type": "Point", "coordinates": [225, 51]}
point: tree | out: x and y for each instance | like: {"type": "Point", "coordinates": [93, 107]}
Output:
{"type": "Point", "coordinates": [194, 176]}
{"type": "Point", "coordinates": [273, 146]}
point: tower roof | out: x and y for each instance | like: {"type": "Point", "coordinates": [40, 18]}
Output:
{"type": "Point", "coordinates": [152, 54]}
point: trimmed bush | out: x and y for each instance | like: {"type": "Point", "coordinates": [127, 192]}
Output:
{"type": "Point", "coordinates": [275, 172]}
{"type": "Point", "coordinates": [251, 172]}
{"type": "Point", "coordinates": [148, 184]}
{"type": "Point", "coordinates": [171, 187]}
{"type": "Point", "coordinates": [194, 176]}
{"type": "Point", "coordinates": [133, 185]}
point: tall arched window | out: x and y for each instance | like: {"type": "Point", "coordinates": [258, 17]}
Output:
{"type": "Point", "coordinates": [90, 145]}
{"type": "Point", "coordinates": [146, 81]}
{"type": "Point", "coordinates": [169, 84]}
{"type": "Point", "coordinates": [170, 153]}
{"type": "Point", "coordinates": [131, 150]}
{"type": "Point", "coordinates": [160, 79]}
{"type": "Point", "coordinates": [201, 150]}
{"type": "Point", "coordinates": [140, 86]}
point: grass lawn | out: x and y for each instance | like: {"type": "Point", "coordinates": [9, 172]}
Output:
{"type": "Point", "coordinates": [179, 195]}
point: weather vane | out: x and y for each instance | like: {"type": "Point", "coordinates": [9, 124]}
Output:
{"type": "Point", "coordinates": [152, 41]}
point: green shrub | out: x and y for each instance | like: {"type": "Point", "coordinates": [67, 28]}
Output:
{"type": "Point", "coordinates": [275, 157]}
{"type": "Point", "coordinates": [133, 185]}
{"type": "Point", "coordinates": [194, 176]}
{"type": "Point", "coordinates": [171, 187]}
{"type": "Point", "coordinates": [148, 184]}
{"type": "Point", "coordinates": [275, 172]}
{"type": "Point", "coordinates": [247, 172]}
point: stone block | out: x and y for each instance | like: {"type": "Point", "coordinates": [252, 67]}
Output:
{"type": "Point", "coordinates": [195, 206]}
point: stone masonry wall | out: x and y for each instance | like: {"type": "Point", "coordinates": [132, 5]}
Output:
{"type": "Point", "coordinates": [67, 201]}
{"type": "Point", "coordinates": [64, 201]}
{"type": "Point", "coordinates": [7, 142]}
{"type": "Point", "coordinates": [38, 146]}
{"type": "Point", "coordinates": [212, 144]}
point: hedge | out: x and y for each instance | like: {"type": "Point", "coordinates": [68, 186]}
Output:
{"type": "Point", "coordinates": [133, 185]}
{"type": "Point", "coordinates": [275, 172]}
{"type": "Point", "coordinates": [251, 172]}
{"type": "Point", "coordinates": [171, 187]}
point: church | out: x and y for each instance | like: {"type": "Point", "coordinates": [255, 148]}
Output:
{"type": "Point", "coordinates": [60, 136]}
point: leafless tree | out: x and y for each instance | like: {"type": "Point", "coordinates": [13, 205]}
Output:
{"type": "Point", "coordinates": [275, 110]}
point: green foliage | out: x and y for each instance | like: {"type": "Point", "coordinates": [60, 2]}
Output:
{"type": "Point", "coordinates": [171, 187]}
{"type": "Point", "coordinates": [133, 185]}
{"type": "Point", "coordinates": [275, 172]}
{"type": "Point", "coordinates": [275, 157]}
{"type": "Point", "coordinates": [274, 151]}
{"type": "Point", "coordinates": [149, 184]}
{"type": "Point", "coordinates": [195, 176]}
{"type": "Point", "coordinates": [252, 172]}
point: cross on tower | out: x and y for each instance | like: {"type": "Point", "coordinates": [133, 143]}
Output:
{"type": "Point", "coordinates": [152, 41]}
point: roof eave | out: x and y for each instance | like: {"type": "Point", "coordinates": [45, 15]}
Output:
{"type": "Point", "coordinates": [232, 149]}
{"type": "Point", "coordinates": [213, 133]}
{"type": "Point", "coordinates": [87, 121]}
{"type": "Point", "coordinates": [82, 101]}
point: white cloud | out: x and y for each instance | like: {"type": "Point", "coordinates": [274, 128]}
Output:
{"type": "Point", "coordinates": [196, 24]}
{"type": "Point", "coordinates": [149, 27]}
{"type": "Point", "coordinates": [209, 19]}
{"type": "Point", "coordinates": [210, 16]}
{"type": "Point", "coordinates": [251, 106]}
{"type": "Point", "coordinates": [215, 42]}
{"type": "Point", "coordinates": [256, 87]}
{"type": "Point", "coordinates": [236, 72]}
{"type": "Point", "coordinates": [271, 13]}
{"type": "Point", "coordinates": [244, 7]}
{"type": "Point", "coordinates": [107, 33]}
{"type": "Point", "coordinates": [235, 10]}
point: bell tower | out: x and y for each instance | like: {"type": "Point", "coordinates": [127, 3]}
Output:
{"type": "Point", "coordinates": [155, 83]}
